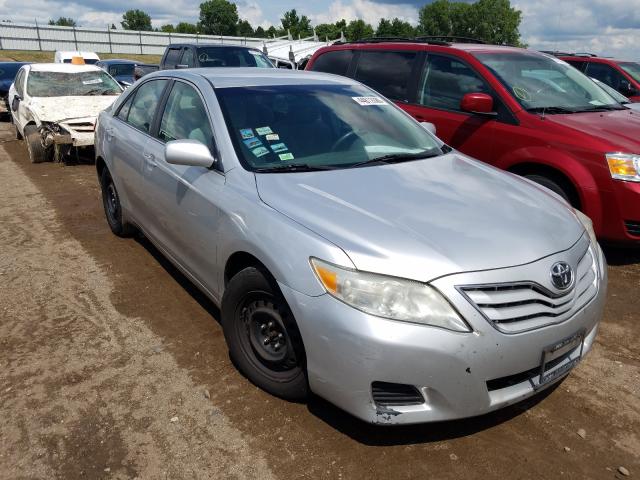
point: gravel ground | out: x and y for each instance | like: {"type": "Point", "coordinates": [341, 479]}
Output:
{"type": "Point", "coordinates": [112, 365]}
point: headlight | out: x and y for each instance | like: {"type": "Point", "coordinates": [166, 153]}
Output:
{"type": "Point", "coordinates": [388, 297]}
{"type": "Point", "coordinates": [624, 166]}
{"type": "Point", "coordinates": [588, 226]}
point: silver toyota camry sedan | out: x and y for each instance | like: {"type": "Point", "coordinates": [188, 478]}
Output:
{"type": "Point", "coordinates": [352, 253]}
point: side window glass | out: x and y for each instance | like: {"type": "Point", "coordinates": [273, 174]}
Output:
{"type": "Point", "coordinates": [387, 72]}
{"type": "Point", "coordinates": [185, 117]}
{"type": "Point", "coordinates": [173, 55]}
{"type": "Point", "coordinates": [144, 104]}
{"type": "Point", "coordinates": [579, 65]}
{"type": "Point", "coordinates": [19, 83]}
{"type": "Point", "coordinates": [188, 58]}
{"type": "Point", "coordinates": [123, 113]}
{"type": "Point", "coordinates": [445, 81]}
{"type": "Point", "coordinates": [605, 74]}
{"type": "Point", "coordinates": [336, 62]}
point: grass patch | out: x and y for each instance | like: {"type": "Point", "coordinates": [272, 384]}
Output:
{"type": "Point", "coordinates": [40, 57]}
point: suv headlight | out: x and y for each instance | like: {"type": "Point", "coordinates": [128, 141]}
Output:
{"type": "Point", "coordinates": [388, 297]}
{"type": "Point", "coordinates": [624, 166]}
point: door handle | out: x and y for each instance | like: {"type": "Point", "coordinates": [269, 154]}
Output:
{"type": "Point", "coordinates": [109, 133]}
{"type": "Point", "coordinates": [149, 160]}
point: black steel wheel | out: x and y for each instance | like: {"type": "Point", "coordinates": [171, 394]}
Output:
{"type": "Point", "coordinates": [262, 336]}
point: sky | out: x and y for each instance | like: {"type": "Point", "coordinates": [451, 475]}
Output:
{"type": "Point", "coordinates": [605, 27]}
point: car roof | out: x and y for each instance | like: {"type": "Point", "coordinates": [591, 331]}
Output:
{"type": "Point", "coordinates": [63, 67]}
{"type": "Point", "coordinates": [111, 61]}
{"type": "Point", "coordinates": [439, 46]}
{"type": "Point", "coordinates": [224, 77]}
{"type": "Point", "coordinates": [226, 45]}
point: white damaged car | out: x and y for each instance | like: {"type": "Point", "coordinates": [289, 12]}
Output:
{"type": "Point", "coordinates": [54, 107]}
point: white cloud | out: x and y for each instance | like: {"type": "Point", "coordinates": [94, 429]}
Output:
{"type": "Point", "coordinates": [370, 12]}
{"type": "Point", "coordinates": [252, 12]}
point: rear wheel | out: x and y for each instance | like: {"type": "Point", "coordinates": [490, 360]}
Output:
{"type": "Point", "coordinates": [112, 206]}
{"type": "Point", "coordinates": [552, 184]}
{"type": "Point", "coordinates": [262, 336]}
{"type": "Point", "coordinates": [37, 152]}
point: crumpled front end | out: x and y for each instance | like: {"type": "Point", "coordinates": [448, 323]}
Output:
{"type": "Point", "coordinates": [76, 132]}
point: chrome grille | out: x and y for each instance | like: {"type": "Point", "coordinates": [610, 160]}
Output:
{"type": "Point", "coordinates": [519, 306]}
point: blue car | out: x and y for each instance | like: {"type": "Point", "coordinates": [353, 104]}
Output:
{"type": "Point", "coordinates": [8, 72]}
{"type": "Point", "coordinates": [121, 69]}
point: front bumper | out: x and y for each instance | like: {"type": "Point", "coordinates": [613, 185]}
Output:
{"type": "Point", "coordinates": [78, 132]}
{"type": "Point", "coordinates": [623, 204]}
{"type": "Point", "coordinates": [347, 350]}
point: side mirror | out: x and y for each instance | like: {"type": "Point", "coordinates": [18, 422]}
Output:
{"type": "Point", "coordinates": [429, 127]}
{"type": "Point", "coordinates": [15, 102]}
{"type": "Point", "coordinates": [181, 66]}
{"type": "Point", "coordinates": [190, 153]}
{"type": "Point", "coordinates": [478, 103]}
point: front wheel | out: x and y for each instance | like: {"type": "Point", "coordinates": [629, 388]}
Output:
{"type": "Point", "coordinates": [551, 184]}
{"type": "Point", "coordinates": [262, 336]}
{"type": "Point", "coordinates": [38, 153]}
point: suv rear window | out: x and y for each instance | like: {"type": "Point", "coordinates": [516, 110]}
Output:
{"type": "Point", "coordinates": [387, 72]}
{"type": "Point", "coordinates": [336, 62]}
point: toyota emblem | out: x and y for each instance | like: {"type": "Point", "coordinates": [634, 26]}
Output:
{"type": "Point", "coordinates": [561, 275]}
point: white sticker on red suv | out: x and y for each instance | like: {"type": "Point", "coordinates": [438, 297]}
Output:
{"type": "Point", "coordinates": [365, 101]}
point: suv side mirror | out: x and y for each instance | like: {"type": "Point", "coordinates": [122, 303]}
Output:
{"type": "Point", "coordinates": [15, 102]}
{"type": "Point", "coordinates": [478, 103]}
{"type": "Point", "coordinates": [190, 153]}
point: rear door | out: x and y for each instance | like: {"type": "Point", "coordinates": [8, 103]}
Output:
{"type": "Point", "coordinates": [182, 199]}
{"type": "Point", "coordinates": [128, 138]}
{"type": "Point", "coordinates": [442, 83]}
{"type": "Point", "coordinates": [392, 73]}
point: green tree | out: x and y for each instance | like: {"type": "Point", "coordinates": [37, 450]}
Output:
{"type": "Point", "coordinates": [186, 27]}
{"type": "Point", "coordinates": [218, 17]}
{"type": "Point", "coordinates": [168, 28]}
{"type": "Point", "coordinates": [298, 26]}
{"type": "Point", "coordinates": [244, 29]}
{"type": "Point", "coordinates": [358, 29]}
{"type": "Point", "coordinates": [273, 32]}
{"type": "Point", "coordinates": [136, 20]}
{"type": "Point", "coordinates": [400, 28]}
{"type": "Point", "coordinates": [384, 28]}
{"type": "Point", "coordinates": [63, 22]}
{"type": "Point", "coordinates": [327, 30]}
{"type": "Point", "coordinates": [260, 33]}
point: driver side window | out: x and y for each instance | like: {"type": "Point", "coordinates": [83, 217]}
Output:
{"type": "Point", "coordinates": [185, 117]}
{"type": "Point", "coordinates": [445, 81]}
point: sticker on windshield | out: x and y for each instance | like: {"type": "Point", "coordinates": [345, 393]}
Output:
{"type": "Point", "coordinates": [279, 147]}
{"type": "Point", "coordinates": [260, 151]}
{"type": "Point", "coordinates": [252, 142]}
{"type": "Point", "coordinates": [264, 130]}
{"type": "Point", "coordinates": [286, 156]}
{"type": "Point", "coordinates": [364, 101]}
{"type": "Point", "coordinates": [272, 137]}
{"type": "Point", "coordinates": [246, 133]}
{"type": "Point", "coordinates": [93, 81]}
{"type": "Point", "coordinates": [521, 93]}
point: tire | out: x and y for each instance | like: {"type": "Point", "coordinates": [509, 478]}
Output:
{"type": "Point", "coordinates": [263, 338]}
{"type": "Point", "coordinates": [551, 184]}
{"type": "Point", "coordinates": [37, 152]}
{"type": "Point", "coordinates": [112, 207]}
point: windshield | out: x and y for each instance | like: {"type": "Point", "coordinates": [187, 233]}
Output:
{"type": "Point", "coordinates": [330, 126]}
{"type": "Point", "coordinates": [632, 69]}
{"type": "Point", "coordinates": [540, 82]}
{"type": "Point", "coordinates": [122, 69]}
{"type": "Point", "coordinates": [65, 84]}
{"type": "Point", "coordinates": [232, 57]}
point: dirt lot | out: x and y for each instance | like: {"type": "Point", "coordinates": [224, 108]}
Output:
{"type": "Point", "coordinates": [113, 366]}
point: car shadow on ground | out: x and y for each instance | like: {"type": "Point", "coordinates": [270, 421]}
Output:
{"type": "Point", "coordinates": [620, 256]}
{"type": "Point", "coordinates": [358, 430]}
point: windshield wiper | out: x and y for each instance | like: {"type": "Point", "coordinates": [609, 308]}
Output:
{"type": "Point", "coordinates": [551, 110]}
{"type": "Point", "coordinates": [293, 167]}
{"type": "Point", "coordinates": [603, 108]}
{"type": "Point", "coordinates": [396, 158]}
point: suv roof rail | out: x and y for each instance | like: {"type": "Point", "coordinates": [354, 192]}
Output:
{"type": "Point", "coordinates": [568, 54]}
{"type": "Point", "coordinates": [378, 40]}
{"type": "Point", "coordinates": [432, 40]}
{"type": "Point", "coordinates": [449, 39]}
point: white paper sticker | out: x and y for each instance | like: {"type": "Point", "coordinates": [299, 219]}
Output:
{"type": "Point", "coordinates": [272, 137]}
{"type": "Point", "coordinates": [92, 82]}
{"type": "Point", "coordinates": [365, 101]}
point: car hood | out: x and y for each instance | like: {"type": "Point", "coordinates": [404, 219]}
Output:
{"type": "Point", "coordinates": [428, 218]}
{"type": "Point", "coordinates": [56, 109]}
{"type": "Point", "coordinates": [619, 128]}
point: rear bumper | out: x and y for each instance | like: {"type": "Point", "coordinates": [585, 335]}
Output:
{"type": "Point", "coordinates": [347, 350]}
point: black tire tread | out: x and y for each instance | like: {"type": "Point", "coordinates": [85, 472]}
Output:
{"type": "Point", "coordinates": [37, 152]}
{"type": "Point", "coordinates": [119, 227]}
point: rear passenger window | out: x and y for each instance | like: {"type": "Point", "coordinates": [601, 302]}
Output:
{"type": "Point", "coordinates": [336, 62]}
{"type": "Point", "coordinates": [445, 81]}
{"type": "Point", "coordinates": [185, 117]}
{"type": "Point", "coordinates": [173, 55]}
{"type": "Point", "coordinates": [145, 102]}
{"type": "Point", "coordinates": [387, 72]}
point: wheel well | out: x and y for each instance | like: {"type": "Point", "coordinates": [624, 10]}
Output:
{"type": "Point", "coordinates": [551, 173]}
{"type": "Point", "coordinates": [238, 262]}
{"type": "Point", "coordinates": [100, 166]}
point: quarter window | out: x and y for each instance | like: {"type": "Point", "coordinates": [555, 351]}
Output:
{"type": "Point", "coordinates": [387, 72]}
{"type": "Point", "coordinates": [336, 62]}
{"type": "Point", "coordinates": [172, 57]}
{"type": "Point", "coordinates": [185, 116]}
{"type": "Point", "coordinates": [144, 104]}
{"type": "Point", "coordinates": [445, 81]}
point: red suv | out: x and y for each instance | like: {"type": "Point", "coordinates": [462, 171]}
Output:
{"type": "Point", "coordinates": [520, 110]}
{"type": "Point", "coordinates": [618, 74]}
